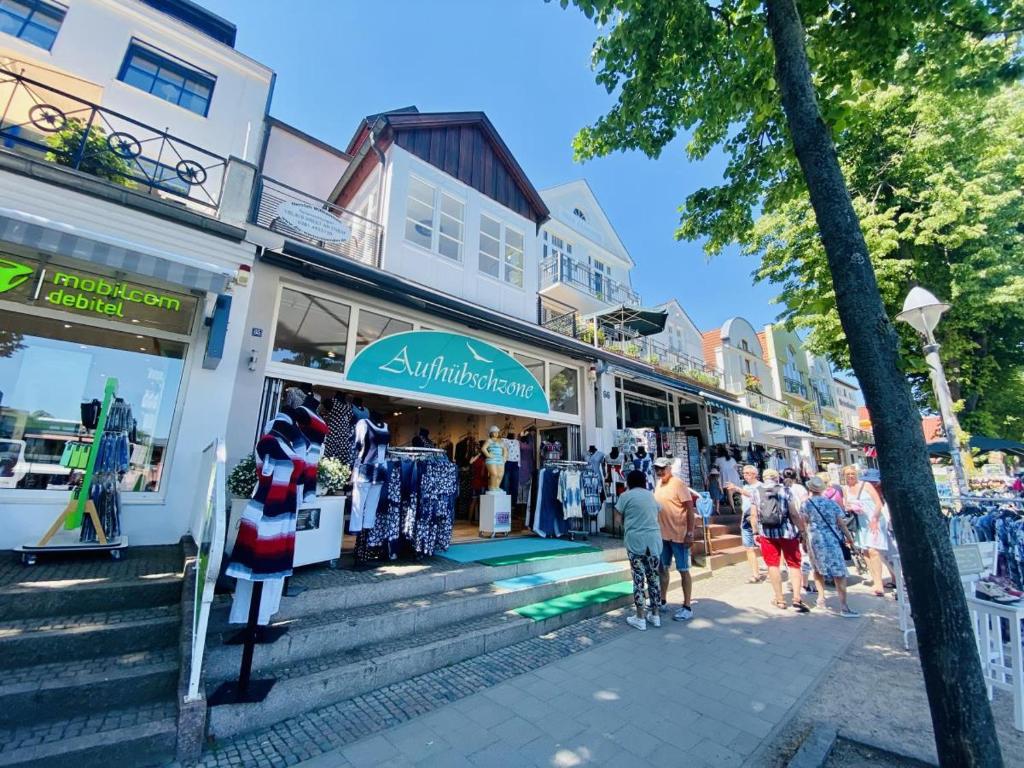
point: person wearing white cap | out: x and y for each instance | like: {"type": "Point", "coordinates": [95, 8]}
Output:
{"type": "Point", "coordinates": [678, 524]}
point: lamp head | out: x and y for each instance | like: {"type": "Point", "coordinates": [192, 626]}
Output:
{"type": "Point", "coordinates": [922, 311]}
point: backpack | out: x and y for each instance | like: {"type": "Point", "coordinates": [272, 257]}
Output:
{"type": "Point", "coordinates": [773, 510]}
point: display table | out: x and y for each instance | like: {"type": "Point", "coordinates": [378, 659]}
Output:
{"type": "Point", "coordinates": [1001, 662]}
{"type": "Point", "coordinates": [495, 514]}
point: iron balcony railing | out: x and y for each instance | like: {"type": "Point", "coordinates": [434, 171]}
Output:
{"type": "Point", "coordinates": [58, 127]}
{"type": "Point", "coordinates": [296, 215]}
{"type": "Point", "coordinates": [794, 387]}
{"type": "Point", "coordinates": [583, 277]}
{"type": "Point", "coordinates": [772, 407]}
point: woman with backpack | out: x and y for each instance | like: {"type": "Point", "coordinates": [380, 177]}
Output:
{"type": "Point", "coordinates": [826, 533]}
{"type": "Point", "coordinates": [861, 499]}
{"type": "Point", "coordinates": [775, 516]}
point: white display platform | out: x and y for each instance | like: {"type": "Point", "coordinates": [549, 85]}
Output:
{"type": "Point", "coordinates": [318, 529]}
{"type": "Point", "coordinates": [495, 514]}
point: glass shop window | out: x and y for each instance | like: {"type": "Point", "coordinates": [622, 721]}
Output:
{"type": "Point", "coordinates": [311, 332]}
{"type": "Point", "coordinates": [49, 368]}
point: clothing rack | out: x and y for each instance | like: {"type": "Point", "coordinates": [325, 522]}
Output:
{"type": "Point", "coordinates": [577, 529]}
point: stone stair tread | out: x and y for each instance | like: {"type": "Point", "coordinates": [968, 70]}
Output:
{"type": "Point", "coordinates": [79, 671]}
{"type": "Point", "coordinates": [352, 616]}
{"type": "Point", "coordinates": [378, 652]}
{"type": "Point", "coordinates": [25, 627]}
{"type": "Point", "coordinates": [22, 743]}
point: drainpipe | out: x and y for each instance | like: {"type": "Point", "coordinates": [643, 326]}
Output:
{"type": "Point", "coordinates": [380, 194]}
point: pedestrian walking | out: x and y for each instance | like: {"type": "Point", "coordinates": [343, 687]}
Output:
{"type": "Point", "coordinates": [746, 496]}
{"type": "Point", "coordinates": [777, 521]}
{"type": "Point", "coordinates": [678, 524]}
{"type": "Point", "coordinates": [826, 532]}
{"type": "Point", "coordinates": [642, 534]}
{"type": "Point", "coordinates": [728, 474]}
{"type": "Point", "coordinates": [796, 489]}
{"type": "Point", "coordinates": [861, 499]}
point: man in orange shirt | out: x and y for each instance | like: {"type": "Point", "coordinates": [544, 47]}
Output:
{"type": "Point", "coordinates": [677, 520]}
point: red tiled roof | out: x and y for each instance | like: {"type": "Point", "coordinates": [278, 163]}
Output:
{"type": "Point", "coordinates": [763, 338]}
{"type": "Point", "coordinates": [712, 342]}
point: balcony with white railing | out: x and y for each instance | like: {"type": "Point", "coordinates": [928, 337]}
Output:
{"type": "Point", "coordinates": [794, 387]}
{"type": "Point", "coordinates": [51, 125]}
{"type": "Point", "coordinates": [301, 217]}
{"type": "Point", "coordinates": [579, 285]}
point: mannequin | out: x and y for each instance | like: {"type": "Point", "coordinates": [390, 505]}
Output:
{"type": "Point", "coordinates": [422, 439]}
{"type": "Point", "coordinates": [595, 460]}
{"type": "Point", "coordinates": [495, 455]}
{"type": "Point", "coordinates": [286, 459]}
{"type": "Point", "coordinates": [370, 471]}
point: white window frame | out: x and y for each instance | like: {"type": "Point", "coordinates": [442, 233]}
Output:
{"type": "Point", "coordinates": [505, 269]}
{"type": "Point", "coordinates": [438, 196]}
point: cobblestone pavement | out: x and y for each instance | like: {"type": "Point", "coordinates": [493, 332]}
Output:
{"type": "Point", "coordinates": [712, 689]}
{"type": "Point", "coordinates": [315, 733]}
{"type": "Point", "coordinates": [135, 561]}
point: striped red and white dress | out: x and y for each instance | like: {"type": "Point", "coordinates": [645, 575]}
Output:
{"type": "Point", "coordinates": [286, 460]}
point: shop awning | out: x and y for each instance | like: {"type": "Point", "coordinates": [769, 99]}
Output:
{"type": "Point", "coordinates": [60, 239]}
{"type": "Point", "coordinates": [635, 320]}
{"type": "Point", "coordinates": [719, 402]}
{"type": "Point", "coordinates": [823, 441]}
{"type": "Point", "coordinates": [980, 443]}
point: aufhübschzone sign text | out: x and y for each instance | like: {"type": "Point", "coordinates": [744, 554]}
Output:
{"type": "Point", "coordinates": [449, 365]}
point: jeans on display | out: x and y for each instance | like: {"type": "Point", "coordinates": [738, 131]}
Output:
{"type": "Point", "coordinates": [510, 482]}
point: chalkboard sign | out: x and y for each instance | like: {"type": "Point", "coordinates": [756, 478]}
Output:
{"type": "Point", "coordinates": [696, 470]}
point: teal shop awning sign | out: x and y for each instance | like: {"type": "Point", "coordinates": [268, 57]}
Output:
{"type": "Point", "coordinates": [449, 365]}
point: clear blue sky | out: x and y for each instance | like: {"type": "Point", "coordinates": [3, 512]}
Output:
{"type": "Point", "coordinates": [526, 64]}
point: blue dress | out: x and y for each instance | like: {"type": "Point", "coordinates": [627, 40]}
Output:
{"type": "Point", "coordinates": [822, 517]}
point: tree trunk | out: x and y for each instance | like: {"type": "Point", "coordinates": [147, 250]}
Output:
{"type": "Point", "coordinates": [961, 716]}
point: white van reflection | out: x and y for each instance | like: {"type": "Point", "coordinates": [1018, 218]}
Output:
{"type": "Point", "coordinates": [16, 471]}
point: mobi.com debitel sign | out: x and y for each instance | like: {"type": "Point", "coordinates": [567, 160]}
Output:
{"type": "Point", "coordinates": [89, 294]}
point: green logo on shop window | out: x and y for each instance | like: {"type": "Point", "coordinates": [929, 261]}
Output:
{"type": "Point", "coordinates": [449, 365]}
{"type": "Point", "coordinates": [13, 274]}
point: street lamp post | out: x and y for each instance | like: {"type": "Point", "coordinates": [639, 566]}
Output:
{"type": "Point", "coordinates": [922, 311]}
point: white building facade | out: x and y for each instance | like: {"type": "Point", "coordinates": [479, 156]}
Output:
{"type": "Point", "coordinates": [127, 155]}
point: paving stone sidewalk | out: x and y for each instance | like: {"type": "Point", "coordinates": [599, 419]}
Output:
{"type": "Point", "coordinates": [708, 692]}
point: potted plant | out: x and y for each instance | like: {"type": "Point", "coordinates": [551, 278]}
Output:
{"type": "Point", "coordinates": [331, 477]}
{"type": "Point", "coordinates": [752, 382]}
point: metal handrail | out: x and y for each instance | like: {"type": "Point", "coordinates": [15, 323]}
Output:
{"type": "Point", "coordinates": [53, 125]}
{"type": "Point", "coordinates": [362, 245]}
{"type": "Point", "coordinates": [583, 277]}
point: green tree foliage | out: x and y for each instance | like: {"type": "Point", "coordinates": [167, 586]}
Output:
{"type": "Point", "coordinates": [97, 158]}
{"type": "Point", "coordinates": [926, 114]}
{"type": "Point", "coordinates": [937, 180]}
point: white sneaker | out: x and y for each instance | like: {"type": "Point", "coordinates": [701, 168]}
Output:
{"type": "Point", "coordinates": [654, 620]}
{"type": "Point", "coordinates": [633, 621]}
{"type": "Point", "coordinates": [683, 614]}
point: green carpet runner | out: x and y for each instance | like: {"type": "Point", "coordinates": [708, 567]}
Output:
{"type": "Point", "coordinates": [559, 605]}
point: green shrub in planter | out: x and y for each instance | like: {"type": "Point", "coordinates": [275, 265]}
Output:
{"type": "Point", "coordinates": [241, 480]}
{"type": "Point", "coordinates": [331, 476]}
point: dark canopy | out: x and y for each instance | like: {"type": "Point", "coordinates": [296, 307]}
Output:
{"type": "Point", "coordinates": [635, 321]}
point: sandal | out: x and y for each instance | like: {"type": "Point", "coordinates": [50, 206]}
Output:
{"type": "Point", "coordinates": [755, 579]}
{"type": "Point", "coordinates": [800, 607]}
{"type": "Point", "coordinates": [781, 604]}
{"type": "Point", "coordinates": [879, 594]}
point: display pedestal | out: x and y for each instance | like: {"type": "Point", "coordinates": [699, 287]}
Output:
{"type": "Point", "coordinates": [495, 514]}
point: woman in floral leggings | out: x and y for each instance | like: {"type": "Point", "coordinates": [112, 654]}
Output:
{"type": "Point", "coordinates": [639, 510]}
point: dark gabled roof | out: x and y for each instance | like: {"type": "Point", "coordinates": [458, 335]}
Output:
{"type": "Point", "coordinates": [465, 145]}
{"type": "Point", "coordinates": [197, 17]}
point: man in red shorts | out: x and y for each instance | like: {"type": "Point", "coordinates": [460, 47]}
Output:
{"type": "Point", "coordinates": [774, 515]}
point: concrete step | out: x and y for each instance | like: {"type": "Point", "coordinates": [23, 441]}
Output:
{"type": "Point", "coordinates": [338, 590]}
{"type": "Point", "coordinates": [719, 544]}
{"type": "Point", "coordinates": [46, 599]}
{"type": "Point", "coordinates": [28, 642]}
{"type": "Point", "coordinates": [313, 683]}
{"type": "Point", "coordinates": [127, 738]}
{"type": "Point", "coordinates": [65, 689]}
{"type": "Point", "coordinates": [334, 631]}
{"type": "Point", "coordinates": [728, 556]}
